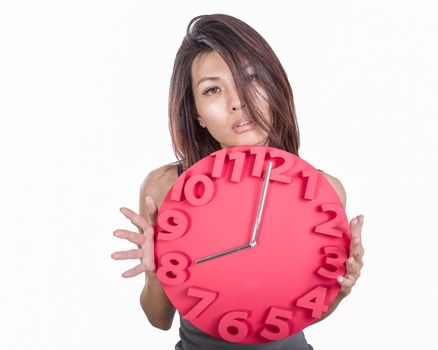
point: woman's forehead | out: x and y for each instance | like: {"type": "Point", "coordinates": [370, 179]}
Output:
{"type": "Point", "coordinates": [211, 63]}
{"type": "Point", "coordinates": [208, 61]}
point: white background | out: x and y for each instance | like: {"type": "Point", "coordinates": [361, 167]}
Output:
{"type": "Point", "coordinates": [83, 107]}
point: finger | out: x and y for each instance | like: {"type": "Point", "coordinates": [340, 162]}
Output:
{"type": "Point", "coordinates": [149, 263]}
{"type": "Point", "coordinates": [152, 209]}
{"type": "Point", "coordinates": [136, 219]}
{"type": "Point", "coordinates": [127, 254]}
{"type": "Point", "coordinates": [132, 237]}
{"type": "Point", "coordinates": [357, 252]}
{"type": "Point", "coordinates": [356, 229]}
{"type": "Point", "coordinates": [140, 268]}
{"type": "Point", "coordinates": [346, 282]}
{"type": "Point", "coordinates": [353, 269]}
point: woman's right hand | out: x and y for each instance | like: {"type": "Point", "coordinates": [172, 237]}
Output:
{"type": "Point", "coordinates": [144, 239]}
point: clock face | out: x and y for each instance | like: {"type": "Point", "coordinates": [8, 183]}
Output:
{"type": "Point", "coordinates": [248, 251]}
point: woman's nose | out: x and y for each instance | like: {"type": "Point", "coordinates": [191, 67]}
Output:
{"type": "Point", "coordinates": [234, 97]}
{"type": "Point", "coordinates": [235, 108]}
{"type": "Point", "coordinates": [235, 102]}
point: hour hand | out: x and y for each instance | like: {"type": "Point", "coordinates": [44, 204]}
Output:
{"type": "Point", "coordinates": [217, 255]}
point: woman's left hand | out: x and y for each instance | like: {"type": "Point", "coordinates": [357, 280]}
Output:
{"type": "Point", "coordinates": [354, 262]}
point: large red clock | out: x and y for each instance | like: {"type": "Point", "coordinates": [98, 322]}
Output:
{"type": "Point", "coordinates": [249, 242]}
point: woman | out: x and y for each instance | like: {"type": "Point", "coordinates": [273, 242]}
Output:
{"type": "Point", "coordinates": [227, 89]}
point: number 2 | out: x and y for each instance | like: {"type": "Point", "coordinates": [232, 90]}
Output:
{"type": "Point", "coordinates": [329, 227]}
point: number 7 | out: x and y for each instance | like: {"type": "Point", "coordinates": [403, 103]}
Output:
{"type": "Point", "coordinates": [207, 298]}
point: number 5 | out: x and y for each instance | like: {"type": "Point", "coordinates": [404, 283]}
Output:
{"type": "Point", "coordinates": [277, 322]}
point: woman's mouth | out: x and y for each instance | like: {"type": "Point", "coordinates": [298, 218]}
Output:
{"type": "Point", "coordinates": [242, 126]}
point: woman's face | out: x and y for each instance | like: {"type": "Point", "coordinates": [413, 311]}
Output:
{"type": "Point", "coordinates": [218, 105]}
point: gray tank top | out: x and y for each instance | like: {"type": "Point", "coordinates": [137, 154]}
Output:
{"type": "Point", "coordinates": [193, 338]}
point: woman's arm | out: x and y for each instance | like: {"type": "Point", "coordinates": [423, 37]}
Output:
{"type": "Point", "coordinates": [155, 304]}
{"type": "Point", "coordinates": [354, 262]}
{"type": "Point", "coordinates": [153, 300]}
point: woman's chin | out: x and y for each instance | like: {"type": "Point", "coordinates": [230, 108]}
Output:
{"type": "Point", "coordinates": [248, 139]}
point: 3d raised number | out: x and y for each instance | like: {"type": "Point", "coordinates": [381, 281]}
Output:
{"type": "Point", "coordinates": [199, 189]}
{"type": "Point", "coordinates": [334, 262]}
{"type": "Point", "coordinates": [329, 227]}
{"type": "Point", "coordinates": [315, 301]}
{"type": "Point", "coordinates": [310, 185]}
{"type": "Point", "coordinates": [207, 297]}
{"type": "Point", "coordinates": [173, 224]}
{"type": "Point", "coordinates": [218, 165]}
{"type": "Point", "coordinates": [277, 324]}
{"type": "Point", "coordinates": [233, 326]}
{"type": "Point", "coordinates": [239, 160]}
{"type": "Point", "coordinates": [173, 269]}
{"type": "Point", "coordinates": [177, 188]}
{"type": "Point", "coordinates": [277, 173]}
{"type": "Point", "coordinates": [259, 161]}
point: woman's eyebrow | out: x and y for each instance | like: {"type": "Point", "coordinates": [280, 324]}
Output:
{"type": "Point", "coordinates": [207, 78]}
{"type": "Point", "coordinates": [248, 67]}
{"type": "Point", "coordinates": [216, 78]}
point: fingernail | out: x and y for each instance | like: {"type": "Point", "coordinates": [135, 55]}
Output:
{"type": "Point", "coordinates": [148, 199]}
{"type": "Point", "coordinates": [340, 279]}
{"type": "Point", "coordinates": [351, 262]}
{"type": "Point", "coordinates": [354, 221]}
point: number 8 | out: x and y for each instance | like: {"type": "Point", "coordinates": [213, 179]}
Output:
{"type": "Point", "coordinates": [173, 268]}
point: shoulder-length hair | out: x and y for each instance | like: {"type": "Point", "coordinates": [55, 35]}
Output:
{"type": "Point", "coordinates": [239, 45]}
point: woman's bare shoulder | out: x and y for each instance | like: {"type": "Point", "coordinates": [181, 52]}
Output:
{"type": "Point", "coordinates": [158, 181]}
{"type": "Point", "coordinates": [337, 185]}
{"type": "Point", "coordinates": [162, 173]}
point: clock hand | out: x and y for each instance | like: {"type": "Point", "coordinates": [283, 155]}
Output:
{"type": "Point", "coordinates": [229, 251]}
{"type": "Point", "coordinates": [253, 241]}
{"type": "Point", "coordinates": [255, 232]}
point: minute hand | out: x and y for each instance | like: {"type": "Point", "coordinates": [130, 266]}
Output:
{"type": "Point", "coordinates": [255, 231]}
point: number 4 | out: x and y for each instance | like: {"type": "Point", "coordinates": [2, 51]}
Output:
{"type": "Point", "coordinates": [315, 301]}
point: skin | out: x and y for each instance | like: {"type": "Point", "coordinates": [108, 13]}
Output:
{"type": "Point", "coordinates": [219, 109]}
{"type": "Point", "coordinates": [218, 105]}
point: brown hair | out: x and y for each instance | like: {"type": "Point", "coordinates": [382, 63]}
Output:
{"type": "Point", "coordinates": [239, 45]}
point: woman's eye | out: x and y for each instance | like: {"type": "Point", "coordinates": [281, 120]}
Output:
{"type": "Point", "coordinates": [252, 77]}
{"type": "Point", "coordinates": [211, 91]}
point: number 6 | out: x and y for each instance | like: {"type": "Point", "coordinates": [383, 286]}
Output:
{"type": "Point", "coordinates": [232, 326]}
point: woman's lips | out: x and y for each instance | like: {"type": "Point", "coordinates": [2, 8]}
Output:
{"type": "Point", "coordinates": [243, 126]}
